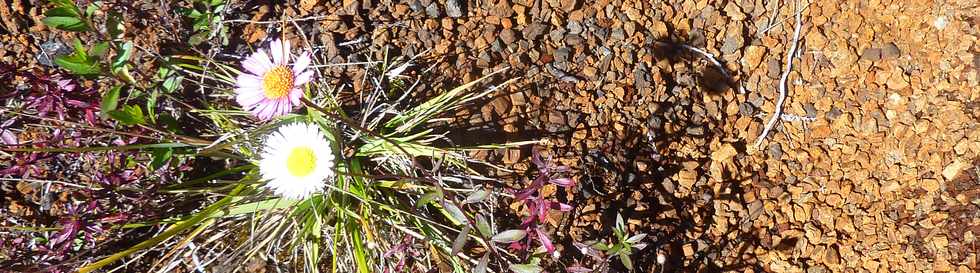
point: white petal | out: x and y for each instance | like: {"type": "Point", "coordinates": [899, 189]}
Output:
{"type": "Point", "coordinates": [303, 78]}
{"type": "Point", "coordinates": [302, 62]}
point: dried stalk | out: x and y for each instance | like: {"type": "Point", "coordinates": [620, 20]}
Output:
{"type": "Point", "coordinates": [782, 79]}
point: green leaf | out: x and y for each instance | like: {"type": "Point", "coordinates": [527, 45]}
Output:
{"type": "Point", "coordinates": [199, 38]}
{"type": "Point", "coordinates": [626, 261]}
{"type": "Point", "coordinates": [526, 268]}
{"type": "Point", "coordinates": [64, 3]}
{"type": "Point", "coordinates": [636, 238]}
{"type": "Point", "coordinates": [79, 48]}
{"type": "Point", "coordinates": [429, 197]}
{"type": "Point", "coordinates": [125, 52]}
{"type": "Point", "coordinates": [114, 25]}
{"type": "Point", "coordinates": [460, 241]}
{"type": "Point", "coordinates": [78, 66]}
{"type": "Point", "coordinates": [66, 23]}
{"type": "Point", "coordinates": [110, 100]}
{"type": "Point", "coordinates": [457, 214]}
{"type": "Point", "coordinates": [62, 12]}
{"type": "Point", "coordinates": [482, 225]}
{"type": "Point", "coordinates": [129, 115]}
{"type": "Point", "coordinates": [476, 196]}
{"type": "Point", "coordinates": [160, 157]}
{"type": "Point", "coordinates": [509, 236]}
{"type": "Point", "coordinates": [98, 50]}
{"type": "Point", "coordinates": [481, 267]}
{"type": "Point", "coordinates": [171, 83]}
{"type": "Point", "coordinates": [90, 9]}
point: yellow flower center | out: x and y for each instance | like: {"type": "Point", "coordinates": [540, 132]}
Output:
{"type": "Point", "coordinates": [301, 161]}
{"type": "Point", "coordinates": [277, 82]}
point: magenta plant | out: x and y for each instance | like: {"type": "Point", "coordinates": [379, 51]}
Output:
{"type": "Point", "coordinates": [532, 227]}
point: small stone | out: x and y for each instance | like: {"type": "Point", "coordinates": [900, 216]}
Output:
{"type": "Point", "coordinates": [753, 56]}
{"type": "Point", "coordinates": [534, 30]}
{"type": "Point", "coordinates": [731, 44]}
{"type": "Point", "coordinates": [833, 113]}
{"type": "Point", "coordinates": [555, 117]}
{"type": "Point", "coordinates": [557, 35]}
{"type": "Point", "coordinates": [618, 34]}
{"type": "Point", "coordinates": [774, 69]}
{"type": "Point", "coordinates": [776, 151]}
{"type": "Point", "coordinates": [930, 185]}
{"type": "Point", "coordinates": [890, 51]}
{"type": "Point", "coordinates": [953, 169]}
{"type": "Point", "coordinates": [641, 76]}
{"type": "Point", "coordinates": [508, 36]}
{"type": "Point", "coordinates": [746, 109]}
{"type": "Point", "coordinates": [502, 9]}
{"type": "Point", "coordinates": [574, 40]}
{"type": "Point", "coordinates": [453, 8]}
{"type": "Point", "coordinates": [568, 5]}
{"type": "Point", "coordinates": [871, 54]}
{"type": "Point", "coordinates": [574, 27]}
{"type": "Point", "coordinates": [432, 10]}
{"type": "Point", "coordinates": [695, 130]}
{"type": "Point", "coordinates": [562, 54]}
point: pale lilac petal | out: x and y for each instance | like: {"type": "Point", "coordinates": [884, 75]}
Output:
{"type": "Point", "coordinates": [275, 49]}
{"type": "Point", "coordinates": [248, 80]}
{"type": "Point", "coordinates": [302, 62]}
{"type": "Point", "coordinates": [295, 95]}
{"type": "Point", "coordinates": [264, 110]}
{"type": "Point", "coordinates": [263, 59]}
{"type": "Point", "coordinates": [285, 106]}
{"type": "Point", "coordinates": [253, 65]}
{"type": "Point", "coordinates": [280, 51]}
{"type": "Point", "coordinates": [303, 78]}
{"type": "Point", "coordinates": [249, 97]}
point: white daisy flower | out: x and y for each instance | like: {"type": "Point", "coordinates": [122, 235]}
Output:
{"type": "Point", "coordinates": [297, 160]}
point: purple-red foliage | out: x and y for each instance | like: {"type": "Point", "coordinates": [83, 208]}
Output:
{"type": "Point", "coordinates": [538, 207]}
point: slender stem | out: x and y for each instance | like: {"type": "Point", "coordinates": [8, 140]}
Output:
{"type": "Point", "coordinates": [353, 124]}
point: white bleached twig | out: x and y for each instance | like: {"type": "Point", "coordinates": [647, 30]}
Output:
{"type": "Point", "coordinates": [785, 76]}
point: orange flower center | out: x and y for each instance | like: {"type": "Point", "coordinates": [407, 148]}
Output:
{"type": "Point", "coordinates": [277, 82]}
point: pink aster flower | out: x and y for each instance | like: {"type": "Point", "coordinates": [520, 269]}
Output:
{"type": "Point", "coordinates": [271, 88]}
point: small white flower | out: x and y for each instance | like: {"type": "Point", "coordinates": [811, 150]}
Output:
{"type": "Point", "coordinates": [296, 160]}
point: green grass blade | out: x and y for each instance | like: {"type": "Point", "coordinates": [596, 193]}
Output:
{"type": "Point", "coordinates": [170, 232]}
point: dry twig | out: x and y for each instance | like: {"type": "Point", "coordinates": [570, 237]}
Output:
{"type": "Point", "coordinates": [784, 77]}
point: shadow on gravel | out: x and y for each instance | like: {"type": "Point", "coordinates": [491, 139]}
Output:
{"type": "Point", "coordinates": [612, 182]}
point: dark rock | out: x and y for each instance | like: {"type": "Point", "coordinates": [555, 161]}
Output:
{"type": "Point", "coordinates": [774, 68]}
{"type": "Point", "coordinates": [642, 76]}
{"type": "Point", "coordinates": [731, 44]}
{"type": "Point", "coordinates": [51, 50]}
{"type": "Point", "coordinates": [618, 34]}
{"type": "Point", "coordinates": [775, 150]}
{"type": "Point", "coordinates": [811, 111]}
{"type": "Point", "coordinates": [833, 113]}
{"type": "Point", "coordinates": [746, 109]}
